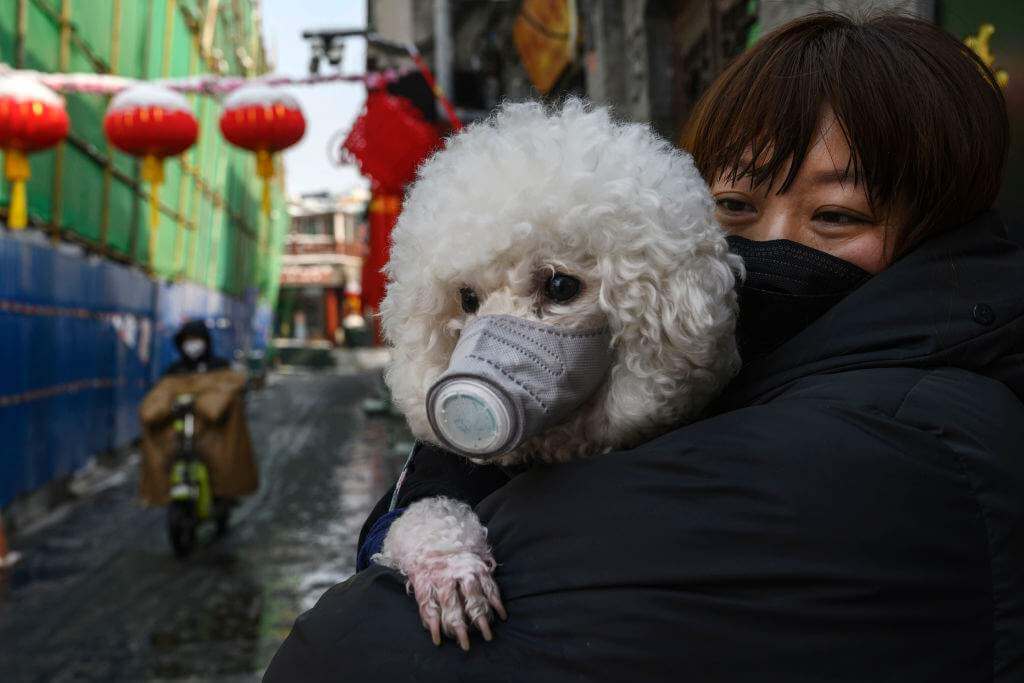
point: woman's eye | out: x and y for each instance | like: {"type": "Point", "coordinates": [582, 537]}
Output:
{"type": "Point", "coordinates": [561, 288]}
{"type": "Point", "coordinates": [838, 218]}
{"type": "Point", "coordinates": [469, 300]}
{"type": "Point", "coordinates": [733, 205]}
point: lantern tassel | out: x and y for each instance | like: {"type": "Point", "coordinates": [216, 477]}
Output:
{"type": "Point", "coordinates": [265, 170]}
{"type": "Point", "coordinates": [154, 221]}
{"type": "Point", "coordinates": [153, 173]}
{"type": "Point", "coordinates": [17, 171]}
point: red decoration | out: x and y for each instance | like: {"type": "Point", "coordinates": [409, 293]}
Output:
{"type": "Point", "coordinates": [32, 118]}
{"type": "Point", "coordinates": [384, 210]}
{"type": "Point", "coordinates": [148, 120]}
{"type": "Point", "coordinates": [390, 140]}
{"type": "Point", "coordinates": [29, 125]}
{"type": "Point", "coordinates": [263, 120]}
{"type": "Point", "coordinates": [256, 127]}
{"type": "Point", "coordinates": [151, 131]}
{"type": "Point", "coordinates": [154, 123]}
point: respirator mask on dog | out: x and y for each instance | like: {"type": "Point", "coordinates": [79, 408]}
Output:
{"type": "Point", "coordinates": [788, 286]}
{"type": "Point", "coordinates": [509, 379]}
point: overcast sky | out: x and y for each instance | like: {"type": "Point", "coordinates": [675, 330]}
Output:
{"type": "Point", "coordinates": [328, 108]}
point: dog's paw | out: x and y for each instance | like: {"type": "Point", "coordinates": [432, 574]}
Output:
{"type": "Point", "coordinates": [441, 547]}
{"type": "Point", "coordinates": [454, 592]}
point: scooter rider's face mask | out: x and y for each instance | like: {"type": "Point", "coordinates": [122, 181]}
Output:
{"type": "Point", "coordinates": [509, 379]}
{"type": "Point", "coordinates": [193, 348]}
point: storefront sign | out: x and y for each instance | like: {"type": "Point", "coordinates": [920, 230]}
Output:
{"type": "Point", "coordinates": [328, 276]}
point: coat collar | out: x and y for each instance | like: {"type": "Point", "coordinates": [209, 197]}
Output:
{"type": "Point", "coordinates": [957, 300]}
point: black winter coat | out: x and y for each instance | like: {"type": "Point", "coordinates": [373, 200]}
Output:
{"type": "Point", "coordinates": [853, 512]}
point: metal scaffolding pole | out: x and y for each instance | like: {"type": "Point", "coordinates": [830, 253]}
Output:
{"type": "Point", "coordinates": [443, 49]}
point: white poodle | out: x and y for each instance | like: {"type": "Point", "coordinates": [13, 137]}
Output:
{"type": "Point", "coordinates": [577, 260]}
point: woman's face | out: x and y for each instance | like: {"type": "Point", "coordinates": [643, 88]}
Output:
{"type": "Point", "coordinates": [821, 209]}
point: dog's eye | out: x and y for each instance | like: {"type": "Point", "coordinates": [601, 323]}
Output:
{"type": "Point", "coordinates": [561, 288]}
{"type": "Point", "coordinates": [469, 301]}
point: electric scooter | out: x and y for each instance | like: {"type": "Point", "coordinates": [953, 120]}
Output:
{"type": "Point", "coordinates": [192, 501]}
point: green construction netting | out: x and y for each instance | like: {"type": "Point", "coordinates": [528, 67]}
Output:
{"type": "Point", "coordinates": [210, 222]}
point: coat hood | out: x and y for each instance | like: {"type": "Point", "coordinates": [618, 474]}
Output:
{"type": "Point", "coordinates": [192, 329]}
{"type": "Point", "coordinates": [957, 300]}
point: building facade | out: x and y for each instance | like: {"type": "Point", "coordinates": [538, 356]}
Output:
{"type": "Point", "coordinates": [479, 66]}
{"type": "Point", "coordinates": [321, 268]}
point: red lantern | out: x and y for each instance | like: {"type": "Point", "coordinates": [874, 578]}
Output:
{"type": "Point", "coordinates": [390, 140]}
{"type": "Point", "coordinates": [263, 120]}
{"type": "Point", "coordinates": [154, 123]}
{"type": "Point", "coordinates": [32, 117]}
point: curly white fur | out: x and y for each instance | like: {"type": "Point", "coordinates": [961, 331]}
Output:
{"type": "Point", "coordinates": [508, 202]}
{"type": "Point", "coordinates": [530, 191]}
{"type": "Point", "coordinates": [432, 526]}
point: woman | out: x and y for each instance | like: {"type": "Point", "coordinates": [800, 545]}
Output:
{"type": "Point", "coordinates": [852, 509]}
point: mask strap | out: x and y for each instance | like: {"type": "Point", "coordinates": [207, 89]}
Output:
{"type": "Point", "coordinates": [401, 477]}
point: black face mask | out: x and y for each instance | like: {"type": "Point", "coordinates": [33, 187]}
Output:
{"type": "Point", "coordinates": [788, 286]}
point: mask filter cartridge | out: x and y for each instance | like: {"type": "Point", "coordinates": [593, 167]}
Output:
{"type": "Point", "coordinates": [472, 416]}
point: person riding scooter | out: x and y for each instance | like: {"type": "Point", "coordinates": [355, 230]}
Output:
{"type": "Point", "coordinates": [197, 452]}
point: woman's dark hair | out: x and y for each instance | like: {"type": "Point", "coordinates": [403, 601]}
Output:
{"type": "Point", "coordinates": [924, 117]}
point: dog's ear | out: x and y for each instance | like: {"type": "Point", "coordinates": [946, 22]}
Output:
{"type": "Point", "coordinates": [673, 324]}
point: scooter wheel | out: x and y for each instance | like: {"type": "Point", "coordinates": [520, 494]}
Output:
{"type": "Point", "coordinates": [181, 528]}
{"type": "Point", "coordinates": [222, 513]}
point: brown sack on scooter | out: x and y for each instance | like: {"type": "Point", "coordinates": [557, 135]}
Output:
{"type": "Point", "coordinates": [222, 434]}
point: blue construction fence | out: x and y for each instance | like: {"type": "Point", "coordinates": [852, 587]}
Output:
{"type": "Point", "coordinates": [82, 339]}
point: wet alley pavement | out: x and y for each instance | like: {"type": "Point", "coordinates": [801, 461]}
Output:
{"type": "Point", "coordinates": [98, 595]}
